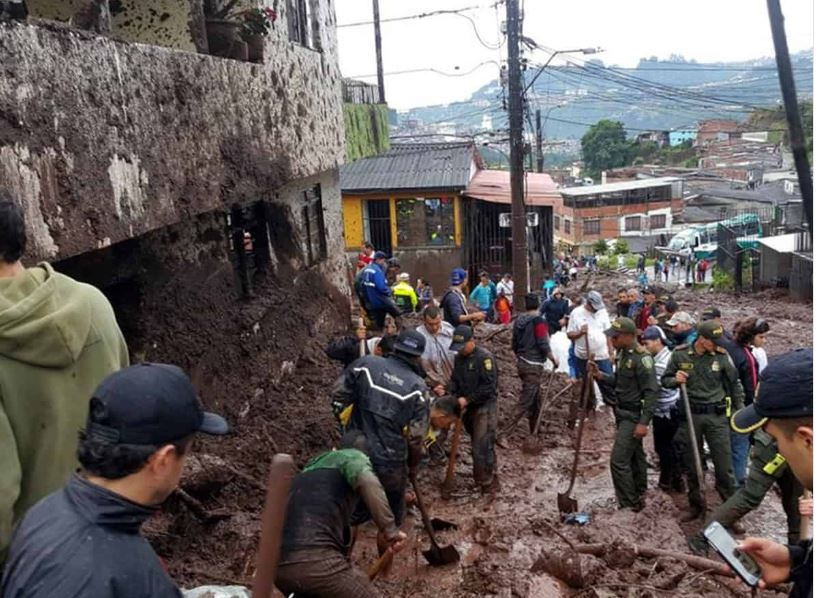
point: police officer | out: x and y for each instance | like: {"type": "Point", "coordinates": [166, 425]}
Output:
{"type": "Point", "coordinates": [388, 395]}
{"type": "Point", "coordinates": [767, 467]}
{"type": "Point", "coordinates": [714, 391]}
{"type": "Point", "coordinates": [475, 384]}
{"type": "Point", "coordinates": [634, 391]}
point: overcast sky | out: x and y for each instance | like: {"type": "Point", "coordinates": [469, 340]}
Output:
{"type": "Point", "coordinates": [704, 30]}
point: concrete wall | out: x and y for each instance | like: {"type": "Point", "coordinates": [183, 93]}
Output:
{"type": "Point", "coordinates": [103, 140]}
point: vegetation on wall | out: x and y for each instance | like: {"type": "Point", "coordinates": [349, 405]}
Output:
{"type": "Point", "coordinates": [366, 130]}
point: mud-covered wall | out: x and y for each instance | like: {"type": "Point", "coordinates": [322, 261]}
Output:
{"type": "Point", "coordinates": [103, 140]}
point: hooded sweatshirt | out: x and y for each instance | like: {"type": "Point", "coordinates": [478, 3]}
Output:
{"type": "Point", "coordinates": [58, 340]}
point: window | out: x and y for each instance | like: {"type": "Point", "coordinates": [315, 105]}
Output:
{"type": "Point", "coordinates": [567, 226]}
{"type": "Point", "coordinates": [426, 222]}
{"type": "Point", "coordinates": [657, 221]}
{"type": "Point", "coordinates": [314, 223]}
{"type": "Point", "coordinates": [632, 223]}
{"type": "Point", "coordinates": [303, 26]}
{"type": "Point", "coordinates": [557, 220]}
{"type": "Point", "coordinates": [592, 227]}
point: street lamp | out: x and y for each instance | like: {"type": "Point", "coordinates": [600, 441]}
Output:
{"type": "Point", "coordinates": [556, 53]}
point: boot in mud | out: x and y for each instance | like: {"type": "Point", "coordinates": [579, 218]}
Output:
{"type": "Point", "coordinates": [691, 514]}
{"type": "Point", "coordinates": [698, 545]}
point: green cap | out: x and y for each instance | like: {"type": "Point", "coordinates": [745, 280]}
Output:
{"type": "Point", "coordinates": [621, 326]}
{"type": "Point", "coordinates": [710, 330]}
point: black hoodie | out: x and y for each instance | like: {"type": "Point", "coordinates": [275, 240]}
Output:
{"type": "Point", "coordinates": [84, 541]}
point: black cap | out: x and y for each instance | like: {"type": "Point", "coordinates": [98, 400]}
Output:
{"type": "Point", "coordinates": [461, 335]}
{"type": "Point", "coordinates": [149, 404]}
{"type": "Point", "coordinates": [784, 392]}
{"type": "Point", "coordinates": [409, 342]}
{"type": "Point", "coordinates": [650, 291]}
{"type": "Point", "coordinates": [710, 313]}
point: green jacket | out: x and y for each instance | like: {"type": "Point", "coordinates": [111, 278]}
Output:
{"type": "Point", "coordinates": [635, 385]}
{"type": "Point", "coordinates": [712, 376]}
{"type": "Point", "coordinates": [58, 340]}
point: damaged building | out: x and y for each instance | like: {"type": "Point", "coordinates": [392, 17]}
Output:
{"type": "Point", "coordinates": [196, 184]}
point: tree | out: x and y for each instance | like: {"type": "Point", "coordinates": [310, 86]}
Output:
{"type": "Point", "coordinates": [600, 247]}
{"type": "Point", "coordinates": [621, 246]}
{"type": "Point", "coordinates": [604, 146]}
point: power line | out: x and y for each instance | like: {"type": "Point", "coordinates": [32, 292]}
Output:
{"type": "Point", "coordinates": [422, 15]}
{"type": "Point", "coordinates": [432, 70]}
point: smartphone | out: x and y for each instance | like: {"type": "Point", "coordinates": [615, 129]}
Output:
{"type": "Point", "coordinates": [725, 545]}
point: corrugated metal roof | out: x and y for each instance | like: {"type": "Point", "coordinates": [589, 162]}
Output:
{"type": "Point", "coordinates": [494, 186]}
{"type": "Point", "coordinates": [411, 166]}
{"type": "Point", "coordinates": [619, 186]}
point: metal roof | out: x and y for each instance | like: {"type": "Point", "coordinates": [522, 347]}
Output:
{"type": "Point", "coordinates": [412, 166]}
{"type": "Point", "coordinates": [619, 186]}
{"type": "Point", "coordinates": [494, 186]}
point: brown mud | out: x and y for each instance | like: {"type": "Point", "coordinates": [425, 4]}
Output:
{"type": "Point", "coordinates": [267, 372]}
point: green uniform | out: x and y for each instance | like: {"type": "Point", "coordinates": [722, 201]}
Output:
{"type": "Point", "coordinates": [714, 393]}
{"type": "Point", "coordinates": [635, 389]}
{"type": "Point", "coordinates": [767, 468]}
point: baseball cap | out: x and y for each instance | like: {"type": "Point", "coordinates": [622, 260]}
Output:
{"type": "Point", "coordinates": [650, 291]}
{"type": "Point", "coordinates": [710, 330]}
{"type": "Point", "coordinates": [621, 326]}
{"type": "Point", "coordinates": [458, 276]}
{"type": "Point", "coordinates": [149, 404]}
{"type": "Point", "coordinates": [784, 392]}
{"type": "Point", "coordinates": [379, 255]}
{"type": "Point", "coordinates": [653, 333]}
{"type": "Point", "coordinates": [681, 317]}
{"type": "Point", "coordinates": [461, 335]}
{"type": "Point", "coordinates": [595, 300]}
{"type": "Point", "coordinates": [710, 313]}
{"type": "Point", "coordinates": [664, 299]}
{"type": "Point", "coordinates": [404, 276]}
{"type": "Point", "coordinates": [409, 342]}
{"type": "Point", "coordinates": [671, 305]}
{"type": "Point", "coordinates": [557, 290]}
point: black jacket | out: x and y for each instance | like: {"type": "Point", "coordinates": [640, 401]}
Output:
{"type": "Point", "coordinates": [475, 378]}
{"type": "Point", "coordinates": [81, 542]}
{"type": "Point", "coordinates": [800, 556]}
{"type": "Point", "coordinates": [530, 338]}
{"type": "Point", "coordinates": [453, 306]}
{"type": "Point", "coordinates": [553, 311]}
{"type": "Point", "coordinates": [746, 370]}
{"type": "Point", "coordinates": [387, 394]}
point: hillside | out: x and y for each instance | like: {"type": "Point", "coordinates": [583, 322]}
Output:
{"type": "Point", "coordinates": [657, 94]}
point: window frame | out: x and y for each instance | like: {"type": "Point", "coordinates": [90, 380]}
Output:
{"type": "Point", "coordinates": [444, 200]}
{"type": "Point", "coordinates": [629, 221]}
{"type": "Point", "coordinates": [587, 224]}
{"type": "Point", "coordinates": [652, 220]}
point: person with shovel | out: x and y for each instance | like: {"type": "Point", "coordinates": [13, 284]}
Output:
{"type": "Point", "coordinates": [475, 385]}
{"type": "Point", "coordinates": [530, 342]}
{"type": "Point", "coordinates": [316, 536]}
{"type": "Point", "coordinates": [708, 380]}
{"type": "Point", "coordinates": [635, 391]}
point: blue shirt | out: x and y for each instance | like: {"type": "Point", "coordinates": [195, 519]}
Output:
{"type": "Point", "coordinates": [375, 285]}
{"type": "Point", "coordinates": [483, 296]}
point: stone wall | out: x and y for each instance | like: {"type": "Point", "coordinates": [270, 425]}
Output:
{"type": "Point", "coordinates": [103, 140]}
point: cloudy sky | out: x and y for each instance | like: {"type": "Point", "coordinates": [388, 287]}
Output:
{"type": "Point", "coordinates": [704, 30]}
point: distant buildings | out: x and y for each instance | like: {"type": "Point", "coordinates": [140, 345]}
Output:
{"type": "Point", "coordinates": [679, 136]}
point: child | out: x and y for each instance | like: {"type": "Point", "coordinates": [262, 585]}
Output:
{"type": "Point", "coordinates": [502, 308]}
{"type": "Point", "coordinates": [643, 280]}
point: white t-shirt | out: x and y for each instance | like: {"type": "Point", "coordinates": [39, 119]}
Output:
{"type": "Point", "coordinates": [507, 287]}
{"type": "Point", "coordinates": [759, 353]}
{"type": "Point", "coordinates": [595, 338]}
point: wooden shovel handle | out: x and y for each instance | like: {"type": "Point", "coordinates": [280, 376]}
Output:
{"type": "Point", "coordinates": [377, 567]}
{"type": "Point", "coordinates": [451, 465]}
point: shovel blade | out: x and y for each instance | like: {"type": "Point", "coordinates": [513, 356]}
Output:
{"type": "Point", "coordinates": [567, 504]}
{"type": "Point", "coordinates": [438, 556]}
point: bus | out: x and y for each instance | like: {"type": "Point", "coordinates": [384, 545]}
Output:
{"type": "Point", "coordinates": [701, 241]}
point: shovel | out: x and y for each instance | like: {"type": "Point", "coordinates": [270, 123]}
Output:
{"type": "Point", "coordinates": [379, 565]}
{"type": "Point", "coordinates": [436, 555]}
{"type": "Point", "coordinates": [449, 479]}
{"type": "Point", "coordinates": [567, 504]}
{"type": "Point", "coordinates": [531, 445]}
{"type": "Point", "coordinates": [695, 448]}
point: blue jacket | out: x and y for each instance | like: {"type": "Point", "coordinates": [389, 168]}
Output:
{"type": "Point", "coordinates": [375, 286]}
{"type": "Point", "coordinates": [483, 296]}
{"type": "Point", "coordinates": [84, 541]}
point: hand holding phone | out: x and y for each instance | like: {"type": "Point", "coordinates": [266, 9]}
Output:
{"type": "Point", "coordinates": [726, 546]}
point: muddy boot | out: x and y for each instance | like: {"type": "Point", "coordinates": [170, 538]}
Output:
{"type": "Point", "coordinates": [640, 506]}
{"type": "Point", "coordinates": [491, 487]}
{"type": "Point", "coordinates": [737, 528]}
{"type": "Point", "coordinates": [678, 485]}
{"type": "Point", "coordinates": [691, 514]}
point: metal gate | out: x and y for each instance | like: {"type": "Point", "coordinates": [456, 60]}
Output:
{"type": "Point", "coordinates": [377, 225]}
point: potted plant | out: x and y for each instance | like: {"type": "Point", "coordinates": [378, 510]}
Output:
{"type": "Point", "coordinates": [257, 23]}
{"type": "Point", "coordinates": [224, 30]}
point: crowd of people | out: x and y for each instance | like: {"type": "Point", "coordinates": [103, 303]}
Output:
{"type": "Point", "coordinates": [72, 505]}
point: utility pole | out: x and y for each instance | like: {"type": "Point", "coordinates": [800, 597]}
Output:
{"type": "Point", "coordinates": [516, 108]}
{"type": "Point", "coordinates": [539, 141]}
{"type": "Point", "coordinates": [377, 29]}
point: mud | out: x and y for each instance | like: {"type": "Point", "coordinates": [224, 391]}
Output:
{"type": "Point", "coordinates": [273, 383]}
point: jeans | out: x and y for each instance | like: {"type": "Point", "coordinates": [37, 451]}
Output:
{"type": "Point", "coordinates": [740, 456]}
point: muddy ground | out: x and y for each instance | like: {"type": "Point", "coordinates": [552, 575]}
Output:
{"type": "Point", "coordinates": [273, 383]}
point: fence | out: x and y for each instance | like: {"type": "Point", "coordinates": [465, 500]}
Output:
{"type": "Point", "coordinates": [359, 92]}
{"type": "Point", "coordinates": [800, 277]}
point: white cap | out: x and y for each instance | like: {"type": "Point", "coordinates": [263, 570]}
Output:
{"type": "Point", "coordinates": [404, 276]}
